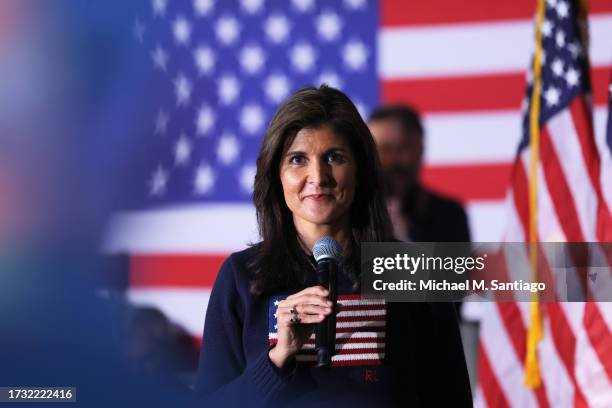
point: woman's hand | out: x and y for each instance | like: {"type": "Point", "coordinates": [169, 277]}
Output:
{"type": "Point", "coordinates": [310, 306]}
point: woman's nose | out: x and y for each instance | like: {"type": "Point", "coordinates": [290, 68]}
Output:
{"type": "Point", "coordinates": [319, 173]}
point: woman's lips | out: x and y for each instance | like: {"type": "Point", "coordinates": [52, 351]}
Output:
{"type": "Point", "coordinates": [319, 197]}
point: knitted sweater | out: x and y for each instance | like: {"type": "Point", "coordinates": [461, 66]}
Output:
{"type": "Point", "coordinates": [415, 360]}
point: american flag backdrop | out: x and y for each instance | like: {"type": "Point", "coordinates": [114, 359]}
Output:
{"type": "Point", "coordinates": [222, 67]}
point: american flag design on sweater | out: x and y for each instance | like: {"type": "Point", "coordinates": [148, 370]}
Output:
{"type": "Point", "coordinates": [360, 332]}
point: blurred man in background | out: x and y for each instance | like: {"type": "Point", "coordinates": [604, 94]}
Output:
{"type": "Point", "coordinates": [417, 213]}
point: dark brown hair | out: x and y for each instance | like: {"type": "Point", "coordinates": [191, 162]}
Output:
{"type": "Point", "coordinates": [279, 263]}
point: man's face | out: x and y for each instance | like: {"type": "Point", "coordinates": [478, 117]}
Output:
{"type": "Point", "coordinates": [400, 154]}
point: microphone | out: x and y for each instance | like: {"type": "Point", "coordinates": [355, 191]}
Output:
{"type": "Point", "coordinates": [327, 252]}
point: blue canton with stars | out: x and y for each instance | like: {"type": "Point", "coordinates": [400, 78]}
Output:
{"type": "Point", "coordinates": [224, 67]}
{"type": "Point", "coordinates": [564, 63]}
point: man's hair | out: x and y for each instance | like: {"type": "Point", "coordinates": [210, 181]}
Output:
{"type": "Point", "coordinates": [276, 267]}
{"type": "Point", "coordinates": [407, 117]}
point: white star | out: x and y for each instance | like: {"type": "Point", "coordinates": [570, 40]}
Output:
{"type": "Point", "coordinates": [204, 179]}
{"type": "Point", "coordinates": [204, 59]}
{"type": "Point", "coordinates": [161, 122]}
{"type": "Point", "coordinates": [251, 118]}
{"type": "Point", "coordinates": [560, 39]}
{"type": "Point", "coordinates": [330, 78]}
{"type": "Point", "coordinates": [159, 7]}
{"type": "Point", "coordinates": [552, 3]}
{"type": "Point", "coordinates": [252, 58]}
{"type": "Point", "coordinates": [228, 149]}
{"type": "Point", "coordinates": [251, 6]}
{"type": "Point", "coordinates": [328, 26]}
{"type": "Point", "coordinates": [227, 30]}
{"type": "Point", "coordinates": [354, 4]}
{"type": "Point", "coordinates": [557, 67]}
{"type": "Point", "coordinates": [181, 28]}
{"type": "Point", "coordinates": [303, 5]}
{"type": "Point", "coordinates": [160, 58]}
{"type": "Point", "coordinates": [182, 150]}
{"type": "Point", "coordinates": [228, 89]}
{"type": "Point", "coordinates": [203, 7]}
{"type": "Point", "coordinates": [546, 28]}
{"type": "Point", "coordinates": [574, 48]}
{"type": "Point", "coordinates": [139, 30]}
{"type": "Point", "coordinates": [277, 28]}
{"type": "Point", "coordinates": [277, 87]}
{"type": "Point", "coordinates": [247, 177]}
{"type": "Point", "coordinates": [355, 55]}
{"type": "Point", "coordinates": [276, 302]}
{"type": "Point", "coordinates": [158, 182]}
{"type": "Point", "coordinates": [562, 9]}
{"type": "Point", "coordinates": [182, 90]}
{"type": "Point", "coordinates": [552, 95]}
{"type": "Point", "coordinates": [302, 57]}
{"type": "Point", "coordinates": [205, 119]}
{"type": "Point", "coordinates": [572, 76]}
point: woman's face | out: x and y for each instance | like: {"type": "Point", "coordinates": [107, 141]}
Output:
{"type": "Point", "coordinates": [318, 174]}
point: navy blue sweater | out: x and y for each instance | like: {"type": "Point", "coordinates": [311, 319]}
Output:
{"type": "Point", "coordinates": [423, 361]}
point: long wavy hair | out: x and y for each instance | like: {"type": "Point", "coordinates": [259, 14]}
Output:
{"type": "Point", "coordinates": [281, 262]}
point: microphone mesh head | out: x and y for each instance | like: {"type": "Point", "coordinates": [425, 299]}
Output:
{"type": "Point", "coordinates": [326, 248]}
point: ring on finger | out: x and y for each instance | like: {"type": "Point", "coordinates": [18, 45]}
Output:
{"type": "Point", "coordinates": [294, 315]}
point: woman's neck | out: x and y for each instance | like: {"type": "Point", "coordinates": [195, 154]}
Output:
{"type": "Point", "coordinates": [309, 233]}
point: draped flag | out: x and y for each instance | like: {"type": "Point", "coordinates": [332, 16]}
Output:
{"type": "Point", "coordinates": [553, 354]}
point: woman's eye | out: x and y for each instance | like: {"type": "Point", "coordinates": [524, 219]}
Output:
{"type": "Point", "coordinates": [296, 159]}
{"type": "Point", "coordinates": [334, 157]}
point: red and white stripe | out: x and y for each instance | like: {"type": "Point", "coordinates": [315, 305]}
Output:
{"type": "Point", "coordinates": [360, 333]}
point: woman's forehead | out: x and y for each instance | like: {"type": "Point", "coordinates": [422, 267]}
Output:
{"type": "Point", "coordinates": [323, 135]}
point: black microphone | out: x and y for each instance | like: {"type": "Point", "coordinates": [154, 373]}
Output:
{"type": "Point", "coordinates": [327, 252]}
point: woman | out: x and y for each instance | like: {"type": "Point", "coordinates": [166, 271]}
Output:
{"type": "Point", "coordinates": [318, 175]}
